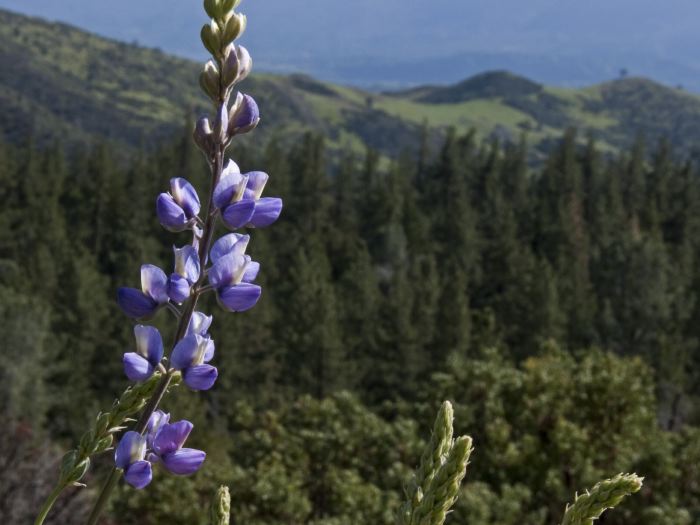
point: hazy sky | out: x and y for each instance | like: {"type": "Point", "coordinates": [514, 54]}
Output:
{"type": "Point", "coordinates": [284, 33]}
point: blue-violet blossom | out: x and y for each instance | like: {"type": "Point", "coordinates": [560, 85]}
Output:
{"type": "Point", "coordinates": [129, 456]}
{"type": "Point", "coordinates": [232, 273]}
{"type": "Point", "coordinates": [142, 304]}
{"type": "Point", "coordinates": [141, 364]}
{"type": "Point", "coordinates": [177, 210]}
{"type": "Point", "coordinates": [187, 270]}
{"type": "Point", "coordinates": [191, 356]}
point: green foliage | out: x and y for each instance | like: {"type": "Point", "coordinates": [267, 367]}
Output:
{"type": "Point", "coordinates": [465, 278]}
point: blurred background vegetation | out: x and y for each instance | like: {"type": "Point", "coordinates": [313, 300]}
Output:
{"type": "Point", "coordinates": [458, 242]}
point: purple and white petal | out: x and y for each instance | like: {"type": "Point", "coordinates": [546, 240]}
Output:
{"type": "Point", "coordinates": [149, 343]}
{"type": "Point", "coordinates": [199, 323]}
{"type": "Point", "coordinates": [154, 283]}
{"type": "Point", "coordinates": [239, 214]}
{"type": "Point", "coordinates": [246, 115]}
{"type": "Point", "coordinates": [228, 270]}
{"type": "Point", "coordinates": [185, 461]}
{"type": "Point", "coordinates": [209, 348]}
{"type": "Point", "coordinates": [137, 367]}
{"type": "Point", "coordinates": [229, 189]}
{"type": "Point", "coordinates": [245, 63]}
{"type": "Point", "coordinates": [187, 263]}
{"type": "Point", "coordinates": [256, 183]}
{"type": "Point", "coordinates": [131, 448]}
{"type": "Point", "coordinates": [138, 474]}
{"type": "Point", "coordinates": [155, 422]}
{"type": "Point", "coordinates": [135, 303]}
{"type": "Point", "coordinates": [178, 288]}
{"type": "Point", "coordinates": [171, 437]}
{"type": "Point", "coordinates": [239, 298]}
{"type": "Point", "coordinates": [229, 243]}
{"type": "Point", "coordinates": [170, 215]}
{"type": "Point", "coordinates": [200, 377]}
{"type": "Point", "coordinates": [185, 195]}
{"type": "Point", "coordinates": [251, 272]}
{"type": "Point", "coordinates": [267, 211]}
{"type": "Point", "coordinates": [185, 351]}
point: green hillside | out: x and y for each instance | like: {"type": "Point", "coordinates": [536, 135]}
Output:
{"type": "Point", "coordinates": [58, 81]}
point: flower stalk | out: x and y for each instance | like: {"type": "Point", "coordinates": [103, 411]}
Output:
{"type": "Point", "coordinates": [237, 199]}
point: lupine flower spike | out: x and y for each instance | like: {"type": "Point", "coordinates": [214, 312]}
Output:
{"type": "Point", "coordinates": [237, 200]}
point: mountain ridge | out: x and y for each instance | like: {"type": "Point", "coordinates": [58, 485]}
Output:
{"type": "Point", "coordinates": [59, 81]}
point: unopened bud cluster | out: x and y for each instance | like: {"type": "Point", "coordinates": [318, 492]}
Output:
{"type": "Point", "coordinates": [435, 486]}
{"type": "Point", "coordinates": [230, 64]}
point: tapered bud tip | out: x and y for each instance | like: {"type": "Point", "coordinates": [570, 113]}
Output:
{"type": "Point", "coordinates": [221, 124]}
{"type": "Point", "coordinates": [221, 507]}
{"type": "Point", "coordinates": [246, 115]}
{"type": "Point", "coordinates": [245, 63]}
{"type": "Point", "coordinates": [231, 66]}
{"type": "Point", "coordinates": [203, 136]}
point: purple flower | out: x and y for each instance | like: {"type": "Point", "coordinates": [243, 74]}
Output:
{"type": "Point", "coordinates": [168, 449]}
{"type": "Point", "coordinates": [142, 304]}
{"type": "Point", "coordinates": [141, 364]}
{"type": "Point", "coordinates": [177, 209]}
{"type": "Point", "coordinates": [199, 324]}
{"type": "Point", "coordinates": [230, 243]}
{"type": "Point", "coordinates": [238, 196]}
{"type": "Point", "coordinates": [191, 355]}
{"type": "Point", "coordinates": [129, 456]}
{"type": "Point", "coordinates": [230, 187]}
{"type": "Point", "coordinates": [244, 115]}
{"type": "Point", "coordinates": [187, 271]}
{"type": "Point", "coordinates": [155, 422]}
{"type": "Point", "coordinates": [232, 273]}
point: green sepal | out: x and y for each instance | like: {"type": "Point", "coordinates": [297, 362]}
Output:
{"type": "Point", "coordinates": [233, 28]}
{"type": "Point", "coordinates": [228, 6]}
{"type": "Point", "coordinates": [103, 444]}
{"type": "Point", "coordinates": [211, 38]}
{"type": "Point", "coordinates": [213, 8]}
{"type": "Point", "coordinates": [68, 463]}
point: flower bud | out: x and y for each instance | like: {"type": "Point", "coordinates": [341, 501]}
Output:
{"type": "Point", "coordinates": [211, 38]}
{"type": "Point", "coordinates": [214, 8]}
{"type": "Point", "coordinates": [245, 63]}
{"type": "Point", "coordinates": [203, 136]}
{"type": "Point", "coordinates": [229, 5]}
{"type": "Point", "coordinates": [209, 80]}
{"type": "Point", "coordinates": [221, 507]}
{"type": "Point", "coordinates": [221, 124]}
{"type": "Point", "coordinates": [233, 28]}
{"type": "Point", "coordinates": [230, 70]}
{"type": "Point", "coordinates": [244, 115]}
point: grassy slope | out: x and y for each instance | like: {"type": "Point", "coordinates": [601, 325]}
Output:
{"type": "Point", "coordinates": [59, 81]}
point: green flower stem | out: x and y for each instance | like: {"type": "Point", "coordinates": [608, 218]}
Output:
{"type": "Point", "coordinates": [50, 500]}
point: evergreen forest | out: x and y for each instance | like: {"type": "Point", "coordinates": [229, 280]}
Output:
{"type": "Point", "coordinates": [557, 306]}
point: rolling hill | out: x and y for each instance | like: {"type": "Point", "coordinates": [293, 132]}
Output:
{"type": "Point", "coordinates": [57, 81]}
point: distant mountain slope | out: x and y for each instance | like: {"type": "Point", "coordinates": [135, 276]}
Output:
{"type": "Point", "coordinates": [60, 82]}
